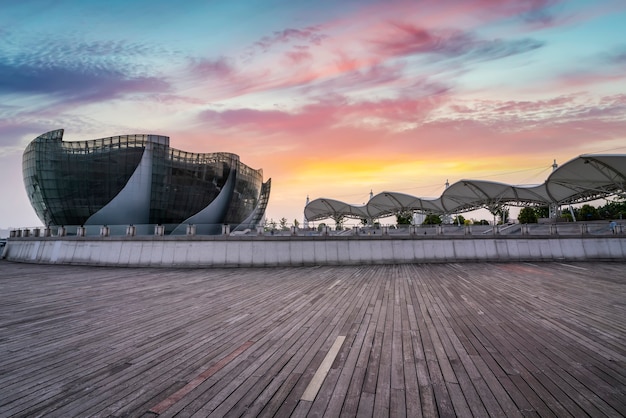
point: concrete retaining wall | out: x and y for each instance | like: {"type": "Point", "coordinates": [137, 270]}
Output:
{"type": "Point", "coordinates": [305, 251]}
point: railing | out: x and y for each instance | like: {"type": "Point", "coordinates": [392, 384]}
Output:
{"type": "Point", "coordinates": [555, 230]}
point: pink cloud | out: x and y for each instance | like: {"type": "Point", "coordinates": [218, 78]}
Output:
{"type": "Point", "coordinates": [299, 56]}
{"type": "Point", "coordinates": [268, 122]}
{"type": "Point", "coordinates": [219, 68]}
{"type": "Point", "coordinates": [408, 39]}
{"type": "Point", "coordinates": [326, 114]}
{"type": "Point", "coordinates": [521, 115]}
{"type": "Point", "coordinates": [405, 39]}
{"type": "Point", "coordinates": [533, 106]}
{"type": "Point", "coordinates": [342, 80]}
{"type": "Point", "coordinates": [462, 15]}
{"type": "Point", "coordinates": [310, 34]}
{"type": "Point", "coordinates": [311, 78]}
{"type": "Point", "coordinates": [588, 78]}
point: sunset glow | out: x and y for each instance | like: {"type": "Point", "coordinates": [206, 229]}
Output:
{"type": "Point", "coordinates": [332, 99]}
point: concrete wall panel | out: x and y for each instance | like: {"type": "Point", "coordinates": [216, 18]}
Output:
{"type": "Point", "coordinates": [218, 249]}
{"type": "Point", "coordinates": [167, 254]}
{"type": "Point", "coordinates": [444, 251]}
{"type": "Point", "coordinates": [231, 254]}
{"type": "Point", "coordinates": [18, 252]}
{"type": "Point", "coordinates": [319, 247]}
{"type": "Point", "coordinates": [572, 249]}
{"type": "Point", "coordinates": [271, 253]}
{"type": "Point", "coordinates": [491, 246]}
{"type": "Point", "coordinates": [386, 252]}
{"type": "Point", "coordinates": [533, 249]}
{"type": "Point", "coordinates": [157, 253]}
{"type": "Point", "coordinates": [360, 252]}
{"type": "Point", "coordinates": [282, 253]}
{"type": "Point", "coordinates": [178, 251]}
{"type": "Point", "coordinates": [45, 251]}
{"type": "Point", "coordinates": [623, 248]}
{"type": "Point", "coordinates": [621, 245]}
{"type": "Point", "coordinates": [295, 253]}
{"type": "Point", "coordinates": [115, 247]}
{"type": "Point", "coordinates": [68, 249]}
{"type": "Point", "coordinates": [134, 252]}
{"type": "Point", "coordinates": [96, 253]}
{"type": "Point", "coordinates": [146, 254]}
{"type": "Point", "coordinates": [419, 252]}
{"type": "Point", "coordinates": [125, 253]}
{"type": "Point", "coordinates": [523, 249]}
{"type": "Point", "coordinates": [35, 250]}
{"type": "Point", "coordinates": [545, 250]}
{"type": "Point", "coordinates": [401, 251]}
{"type": "Point", "coordinates": [355, 252]}
{"type": "Point", "coordinates": [598, 249]}
{"type": "Point", "coordinates": [337, 252]}
{"type": "Point", "coordinates": [258, 254]}
{"type": "Point", "coordinates": [512, 251]}
{"type": "Point", "coordinates": [308, 253]}
{"type": "Point", "coordinates": [83, 251]}
{"type": "Point", "coordinates": [464, 250]}
{"type": "Point", "coordinates": [246, 254]}
{"type": "Point", "coordinates": [615, 249]}
{"type": "Point", "coordinates": [429, 251]}
{"type": "Point", "coordinates": [499, 250]}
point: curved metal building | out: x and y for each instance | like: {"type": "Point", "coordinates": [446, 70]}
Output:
{"type": "Point", "coordinates": [139, 180]}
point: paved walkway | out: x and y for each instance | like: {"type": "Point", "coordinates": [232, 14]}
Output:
{"type": "Point", "coordinates": [481, 340]}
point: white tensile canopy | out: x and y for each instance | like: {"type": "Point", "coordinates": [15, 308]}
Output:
{"type": "Point", "coordinates": [587, 177]}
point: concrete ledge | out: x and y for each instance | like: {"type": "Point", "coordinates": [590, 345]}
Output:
{"type": "Point", "coordinates": [183, 251]}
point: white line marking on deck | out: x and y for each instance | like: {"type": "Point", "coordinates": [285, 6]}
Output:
{"type": "Point", "coordinates": [334, 284]}
{"type": "Point", "coordinates": [574, 267]}
{"type": "Point", "coordinates": [316, 383]}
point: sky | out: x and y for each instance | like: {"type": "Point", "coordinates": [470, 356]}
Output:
{"type": "Point", "coordinates": [330, 98]}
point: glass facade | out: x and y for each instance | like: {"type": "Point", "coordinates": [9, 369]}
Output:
{"type": "Point", "coordinates": [101, 181]}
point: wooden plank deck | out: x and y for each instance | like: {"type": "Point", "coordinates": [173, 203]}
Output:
{"type": "Point", "coordinates": [511, 339]}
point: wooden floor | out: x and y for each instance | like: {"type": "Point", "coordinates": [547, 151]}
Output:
{"type": "Point", "coordinates": [480, 340]}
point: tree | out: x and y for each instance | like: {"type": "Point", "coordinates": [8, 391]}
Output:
{"type": "Point", "coordinates": [613, 210]}
{"type": "Point", "coordinates": [527, 215]}
{"type": "Point", "coordinates": [432, 219]}
{"type": "Point", "coordinates": [283, 224]}
{"type": "Point", "coordinates": [321, 227]}
{"type": "Point", "coordinates": [503, 214]}
{"type": "Point", "coordinates": [296, 223]}
{"type": "Point", "coordinates": [541, 211]}
{"type": "Point", "coordinates": [459, 220]}
{"type": "Point", "coordinates": [404, 218]}
{"type": "Point", "coordinates": [271, 224]}
{"type": "Point", "coordinates": [588, 213]}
